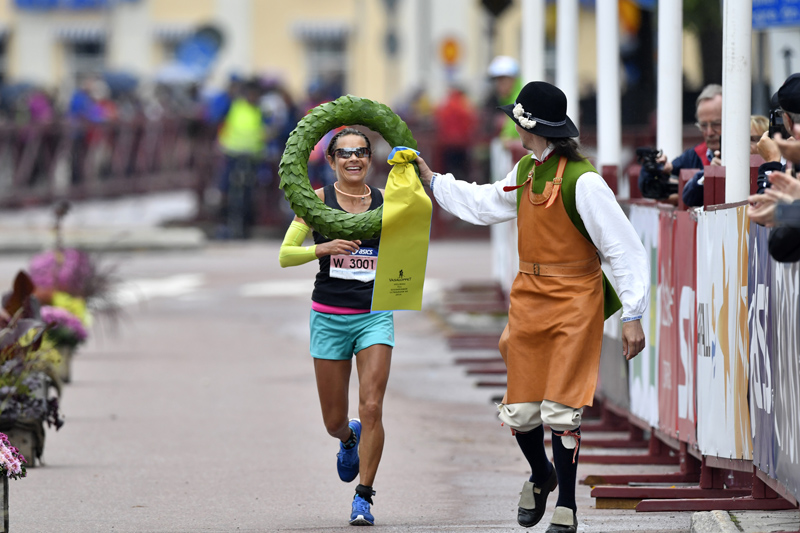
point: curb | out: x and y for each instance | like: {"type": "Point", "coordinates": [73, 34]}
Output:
{"type": "Point", "coordinates": [117, 239]}
{"type": "Point", "coordinates": [713, 522]}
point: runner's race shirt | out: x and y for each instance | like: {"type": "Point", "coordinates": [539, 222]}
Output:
{"type": "Point", "coordinates": [347, 280]}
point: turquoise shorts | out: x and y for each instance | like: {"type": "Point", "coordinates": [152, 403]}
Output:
{"type": "Point", "coordinates": [339, 337]}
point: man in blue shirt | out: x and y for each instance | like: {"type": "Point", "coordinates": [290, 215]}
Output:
{"type": "Point", "coordinates": [708, 111]}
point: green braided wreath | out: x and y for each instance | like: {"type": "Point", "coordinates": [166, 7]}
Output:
{"type": "Point", "coordinates": [344, 111]}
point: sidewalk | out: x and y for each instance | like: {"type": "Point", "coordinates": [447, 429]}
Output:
{"type": "Point", "coordinates": [129, 223]}
{"type": "Point", "coordinates": [746, 521]}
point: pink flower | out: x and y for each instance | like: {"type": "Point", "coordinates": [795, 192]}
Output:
{"type": "Point", "coordinates": [66, 270]}
{"type": "Point", "coordinates": [58, 317]}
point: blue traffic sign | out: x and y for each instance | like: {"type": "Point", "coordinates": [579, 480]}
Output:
{"type": "Point", "coordinates": [771, 13]}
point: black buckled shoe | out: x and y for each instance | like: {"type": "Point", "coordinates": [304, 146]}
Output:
{"type": "Point", "coordinates": [564, 520]}
{"type": "Point", "coordinates": [533, 500]}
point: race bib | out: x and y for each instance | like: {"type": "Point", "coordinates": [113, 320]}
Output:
{"type": "Point", "coordinates": [360, 265]}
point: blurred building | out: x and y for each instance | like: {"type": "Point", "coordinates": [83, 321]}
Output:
{"type": "Point", "coordinates": [378, 49]}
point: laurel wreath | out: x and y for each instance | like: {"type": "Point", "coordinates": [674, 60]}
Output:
{"type": "Point", "coordinates": [293, 170]}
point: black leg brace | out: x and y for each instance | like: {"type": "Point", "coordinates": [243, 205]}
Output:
{"type": "Point", "coordinates": [366, 492]}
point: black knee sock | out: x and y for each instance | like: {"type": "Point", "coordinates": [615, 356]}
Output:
{"type": "Point", "coordinates": [566, 470]}
{"type": "Point", "coordinates": [532, 446]}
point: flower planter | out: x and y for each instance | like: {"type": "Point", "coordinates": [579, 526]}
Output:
{"type": "Point", "coordinates": [27, 435]}
{"type": "Point", "coordinates": [64, 368]}
{"type": "Point", "coordinates": [4, 488]}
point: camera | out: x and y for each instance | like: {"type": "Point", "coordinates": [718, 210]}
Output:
{"type": "Point", "coordinates": [776, 123]}
{"type": "Point", "coordinates": [656, 185]}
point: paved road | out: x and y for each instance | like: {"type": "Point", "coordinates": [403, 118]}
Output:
{"type": "Point", "coordinates": [200, 414]}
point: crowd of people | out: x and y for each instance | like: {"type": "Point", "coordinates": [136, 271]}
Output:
{"type": "Point", "coordinates": [775, 139]}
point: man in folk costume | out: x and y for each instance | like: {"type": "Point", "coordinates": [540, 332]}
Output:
{"type": "Point", "coordinates": [560, 298]}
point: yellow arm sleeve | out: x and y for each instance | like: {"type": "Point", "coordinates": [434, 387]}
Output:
{"type": "Point", "coordinates": [292, 253]}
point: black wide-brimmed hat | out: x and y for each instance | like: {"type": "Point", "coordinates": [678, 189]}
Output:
{"type": "Point", "coordinates": [541, 109]}
{"type": "Point", "coordinates": [789, 94]}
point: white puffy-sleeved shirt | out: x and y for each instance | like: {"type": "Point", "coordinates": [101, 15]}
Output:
{"type": "Point", "coordinates": [606, 223]}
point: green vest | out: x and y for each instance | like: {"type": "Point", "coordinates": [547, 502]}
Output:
{"type": "Point", "coordinates": [574, 170]}
{"type": "Point", "coordinates": [243, 129]}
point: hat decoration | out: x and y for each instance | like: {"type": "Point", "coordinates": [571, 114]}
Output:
{"type": "Point", "coordinates": [523, 117]}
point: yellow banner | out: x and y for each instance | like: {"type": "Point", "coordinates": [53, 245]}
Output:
{"type": "Point", "coordinates": [405, 234]}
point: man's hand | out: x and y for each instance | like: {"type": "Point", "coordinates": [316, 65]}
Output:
{"type": "Point", "coordinates": [783, 182]}
{"type": "Point", "coordinates": [790, 148]}
{"type": "Point", "coordinates": [425, 172]}
{"type": "Point", "coordinates": [667, 164]}
{"type": "Point", "coordinates": [762, 206]}
{"type": "Point", "coordinates": [632, 338]}
{"type": "Point", "coordinates": [768, 149]}
{"type": "Point", "coordinates": [717, 159]}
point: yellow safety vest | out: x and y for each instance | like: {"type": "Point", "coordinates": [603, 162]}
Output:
{"type": "Point", "coordinates": [243, 129]}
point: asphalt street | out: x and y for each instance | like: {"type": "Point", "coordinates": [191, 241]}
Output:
{"type": "Point", "coordinates": [198, 412]}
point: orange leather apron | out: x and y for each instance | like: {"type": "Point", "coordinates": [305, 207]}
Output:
{"type": "Point", "coordinates": [551, 345]}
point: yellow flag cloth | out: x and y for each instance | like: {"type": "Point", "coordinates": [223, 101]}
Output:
{"type": "Point", "coordinates": [405, 235]}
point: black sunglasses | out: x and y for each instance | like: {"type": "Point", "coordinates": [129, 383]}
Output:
{"type": "Point", "coordinates": [345, 153]}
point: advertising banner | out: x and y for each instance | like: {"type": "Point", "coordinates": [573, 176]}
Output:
{"type": "Point", "coordinates": [668, 327]}
{"type": "Point", "coordinates": [785, 317]}
{"type": "Point", "coordinates": [723, 416]}
{"type": "Point", "coordinates": [685, 272]}
{"type": "Point", "coordinates": [643, 369]}
{"type": "Point", "coordinates": [759, 323]}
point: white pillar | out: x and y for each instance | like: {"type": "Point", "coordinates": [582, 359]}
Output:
{"type": "Point", "coordinates": [33, 49]}
{"type": "Point", "coordinates": [737, 21]}
{"type": "Point", "coordinates": [609, 129]}
{"type": "Point", "coordinates": [533, 36]}
{"type": "Point", "coordinates": [567, 55]}
{"type": "Point", "coordinates": [235, 19]}
{"type": "Point", "coordinates": [130, 37]}
{"type": "Point", "coordinates": [670, 78]}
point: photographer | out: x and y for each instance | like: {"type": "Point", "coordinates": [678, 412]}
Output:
{"type": "Point", "coordinates": [784, 117]}
{"type": "Point", "coordinates": [709, 120]}
{"type": "Point", "coordinates": [779, 207]}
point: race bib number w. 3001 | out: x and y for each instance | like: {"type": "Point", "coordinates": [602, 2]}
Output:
{"type": "Point", "coordinates": [360, 265]}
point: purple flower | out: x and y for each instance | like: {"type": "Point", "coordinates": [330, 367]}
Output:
{"type": "Point", "coordinates": [65, 270]}
{"type": "Point", "coordinates": [58, 317]}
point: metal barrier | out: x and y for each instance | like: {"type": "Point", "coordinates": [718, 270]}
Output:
{"type": "Point", "coordinates": [718, 385]}
{"type": "Point", "coordinates": [80, 160]}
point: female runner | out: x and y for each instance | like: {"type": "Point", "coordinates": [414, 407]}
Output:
{"type": "Point", "coordinates": [342, 324]}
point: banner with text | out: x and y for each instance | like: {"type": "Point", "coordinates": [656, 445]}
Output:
{"type": "Point", "coordinates": [759, 324]}
{"type": "Point", "coordinates": [723, 424]}
{"type": "Point", "coordinates": [643, 369]}
{"type": "Point", "coordinates": [785, 316]}
{"type": "Point", "coordinates": [667, 326]}
{"type": "Point", "coordinates": [685, 269]}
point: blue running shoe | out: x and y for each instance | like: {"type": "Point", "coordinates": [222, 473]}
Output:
{"type": "Point", "coordinates": [347, 459]}
{"type": "Point", "coordinates": [361, 515]}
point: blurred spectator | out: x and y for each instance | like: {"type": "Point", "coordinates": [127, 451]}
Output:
{"type": "Point", "coordinates": [281, 115]}
{"type": "Point", "coordinates": [319, 171]}
{"type": "Point", "coordinates": [759, 125]}
{"type": "Point", "coordinates": [455, 128]}
{"type": "Point", "coordinates": [242, 138]}
{"type": "Point", "coordinates": [220, 103]}
{"type": "Point", "coordinates": [785, 114]}
{"type": "Point", "coordinates": [82, 104]}
{"type": "Point", "coordinates": [504, 74]}
{"type": "Point", "coordinates": [708, 110]}
{"type": "Point", "coordinates": [417, 111]}
{"type": "Point", "coordinates": [40, 106]}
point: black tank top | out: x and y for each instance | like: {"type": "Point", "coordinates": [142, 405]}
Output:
{"type": "Point", "coordinates": [337, 292]}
